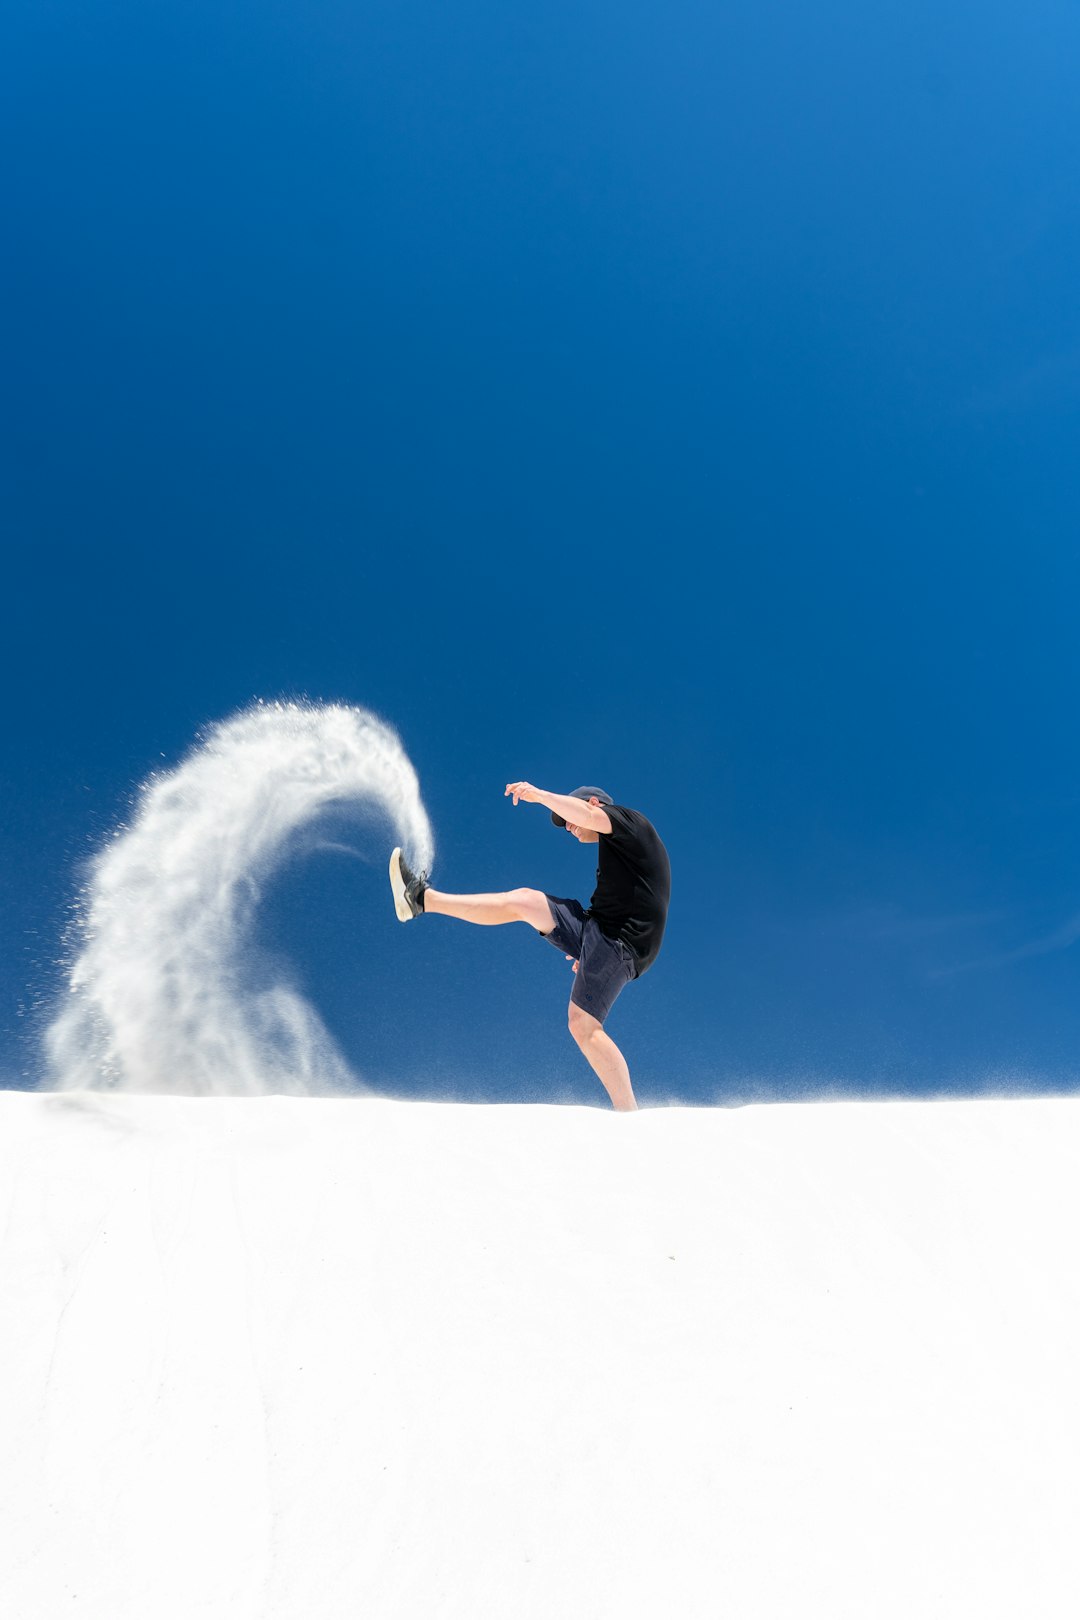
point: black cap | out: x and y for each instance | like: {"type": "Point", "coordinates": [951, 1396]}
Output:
{"type": "Point", "coordinates": [586, 794]}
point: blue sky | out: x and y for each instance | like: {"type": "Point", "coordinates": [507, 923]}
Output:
{"type": "Point", "coordinates": [679, 398]}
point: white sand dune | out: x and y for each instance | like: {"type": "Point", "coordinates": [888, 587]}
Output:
{"type": "Point", "coordinates": [324, 1359]}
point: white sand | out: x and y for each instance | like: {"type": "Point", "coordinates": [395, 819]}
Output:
{"type": "Point", "coordinates": [333, 1359]}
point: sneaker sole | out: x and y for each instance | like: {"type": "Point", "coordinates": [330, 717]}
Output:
{"type": "Point", "coordinates": [397, 888]}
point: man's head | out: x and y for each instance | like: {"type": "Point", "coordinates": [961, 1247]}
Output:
{"type": "Point", "coordinates": [590, 795]}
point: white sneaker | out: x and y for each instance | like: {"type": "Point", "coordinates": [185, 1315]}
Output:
{"type": "Point", "coordinates": [407, 888]}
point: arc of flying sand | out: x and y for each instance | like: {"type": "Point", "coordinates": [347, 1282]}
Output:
{"type": "Point", "coordinates": [163, 992]}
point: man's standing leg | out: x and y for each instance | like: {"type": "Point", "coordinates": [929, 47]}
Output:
{"type": "Point", "coordinates": [604, 1058]}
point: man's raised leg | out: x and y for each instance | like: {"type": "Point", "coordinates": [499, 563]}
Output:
{"type": "Point", "coordinates": [515, 905]}
{"type": "Point", "coordinates": [414, 897]}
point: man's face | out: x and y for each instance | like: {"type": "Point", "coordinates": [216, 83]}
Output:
{"type": "Point", "coordinates": [584, 835]}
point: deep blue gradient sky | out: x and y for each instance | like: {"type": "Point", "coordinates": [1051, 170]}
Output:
{"type": "Point", "coordinates": [681, 398]}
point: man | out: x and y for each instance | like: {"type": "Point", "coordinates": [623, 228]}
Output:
{"type": "Point", "coordinates": [614, 941]}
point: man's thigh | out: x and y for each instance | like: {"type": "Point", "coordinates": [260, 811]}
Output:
{"type": "Point", "coordinates": [568, 919]}
{"type": "Point", "coordinates": [605, 968]}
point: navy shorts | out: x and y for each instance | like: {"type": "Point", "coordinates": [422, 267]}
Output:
{"type": "Point", "coordinates": [605, 966]}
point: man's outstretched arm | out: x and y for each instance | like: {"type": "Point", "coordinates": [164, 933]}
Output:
{"type": "Point", "coordinates": [576, 811]}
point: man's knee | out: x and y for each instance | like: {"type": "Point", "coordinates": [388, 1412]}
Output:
{"type": "Point", "coordinates": [583, 1026]}
{"type": "Point", "coordinates": [531, 906]}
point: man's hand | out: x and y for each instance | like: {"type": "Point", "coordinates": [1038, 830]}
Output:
{"type": "Point", "coordinates": [523, 790]}
{"type": "Point", "coordinates": [571, 959]}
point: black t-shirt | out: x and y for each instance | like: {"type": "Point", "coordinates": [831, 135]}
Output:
{"type": "Point", "coordinates": [633, 884]}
